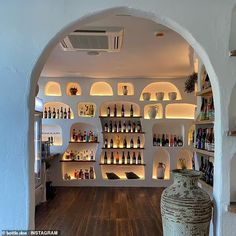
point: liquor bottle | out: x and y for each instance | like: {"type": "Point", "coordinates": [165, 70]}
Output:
{"type": "Point", "coordinates": [85, 136]}
{"type": "Point", "coordinates": [134, 159]}
{"type": "Point", "coordinates": [129, 127]}
{"type": "Point", "coordinates": [202, 111]}
{"type": "Point", "coordinates": [131, 111]}
{"type": "Point", "coordinates": [124, 143]}
{"type": "Point", "coordinates": [119, 127]}
{"type": "Point", "coordinates": [91, 173]}
{"type": "Point", "coordinates": [65, 113]}
{"type": "Point", "coordinates": [45, 115]}
{"type": "Point", "coordinates": [128, 158]}
{"type": "Point", "coordinates": [61, 113]}
{"type": "Point", "coordinates": [211, 179]}
{"type": "Point", "coordinates": [154, 140]}
{"type": "Point", "coordinates": [131, 143]}
{"type": "Point", "coordinates": [123, 158]}
{"type": "Point", "coordinates": [81, 174]}
{"type": "Point", "coordinates": [91, 155]}
{"type": "Point", "coordinates": [133, 128]}
{"type": "Point", "coordinates": [139, 128]}
{"type": "Point", "coordinates": [171, 141]}
{"type": "Point", "coordinates": [105, 143]}
{"type": "Point", "coordinates": [138, 142]}
{"type": "Point", "coordinates": [158, 140]}
{"type": "Point", "coordinates": [211, 109]}
{"type": "Point", "coordinates": [58, 114]}
{"type": "Point", "coordinates": [73, 134]}
{"type": "Point", "coordinates": [115, 127]}
{"type": "Point", "coordinates": [115, 111]}
{"type": "Point", "coordinates": [180, 142]}
{"type": "Point", "coordinates": [112, 158]}
{"type": "Point", "coordinates": [106, 127]}
{"type": "Point", "coordinates": [69, 114]}
{"type": "Point", "coordinates": [163, 140]}
{"type": "Point", "coordinates": [124, 127]}
{"type": "Point", "coordinates": [175, 141]}
{"type": "Point", "coordinates": [203, 139]}
{"type": "Point", "coordinates": [105, 158]}
{"type": "Point", "coordinates": [167, 143]}
{"type": "Point", "coordinates": [108, 111]}
{"type": "Point", "coordinates": [111, 143]}
{"type": "Point", "coordinates": [139, 158]}
{"type": "Point", "coordinates": [122, 111]}
{"type": "Point", "coordinates": [117, 158]}
{"type": "Point", "coordinates": [49, 113]}
{"type": "Point", "coordinates": [54, 113]}
{"type": "Point", "coordinates": [86, 174]}
{"type": "Point", "coordinates": [110, 126]}
{"type": "Point", "coordinates": [207, 140]}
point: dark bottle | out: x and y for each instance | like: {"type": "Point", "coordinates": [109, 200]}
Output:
{"type": "Point", "coordinates": [128, 158]}
{"type": "Point", "coordinates": [112, 158]}
{"type": "Point", "coordinates": [139, 128]}
{"type": "Point", "coordinates": [201, 168]}
{"type": "Point", "coordinates": [106, 127]}
{"type": "Point", "coordinates": [45, 115]}
{"type": "Point", "coordinates": [115, 127]}
{"type": "Point", "coordinates": [105, 158]}
{"type": "Point", "coordinates": [115, 111]}
{"type": "Point", "coordinates": [134, 159]}
{"type": "Point", "coordinates": [119, 127]}
{"type": "Point", "coordinates": [139, 158]}
{"type": "Point", "coordinates": [108, 111]}
{"type": "Point", "coordinates": [110, 126]}
{"type": "Point", "coordinates": [49, 113]}
{"type": "Point", "coordinates": [58, 114]}
{"type": "Point", "coordinates": [133, 127]}
{"type": "Point", "coordinates": [129, 127]}
{"type": "Point", "coordinates": [208, 172]}
{"type": "Point", "coordinates": [203, 138]}
{"type": "Point", "coordinates": [122, 111]}
{"type": "Point", "coordinates": [124, 127]}
{"type": "Point", "coordinates": [167, 143]}
{"type": "Point", "coordinates": [163, 140]}
{"type": "Point", "coordinates": [73, 134]}
{"type": "Point", "coordinates": [125, 143]}
{"type": "Point", "coordinates": [138, 142]}
{"type": "Point", "coordinates": [105, 143]}
{"type": "Point", "coordinates": [131, 111]}
{"type": "Point", "coordinates": [175, 141]}
{"type": "Point", "coordinates": [61, 113]}
{"type": "Point", "coordinates": [69, 114]}
{"type": "Point", "coordinates": [117, 158]}
{"type": "Point", "coordinates": [111, 143]}
{"type": "Point", "coordinates": [154, 140]}
{"type": "Point", "coordinates": [211, 179]}
{"type": "Point", "coordinates": [180, 142]}
{"type": "Point", "coordinates": [65, 114]}
{"type": "Point", "coordinates": [158, 140]}
{"type": "Point", "coordinates": [131, 143]}
{"type": "Point", "coordinates": [54, 113]}
{"type": "Point", "coordinates": [123, 158]}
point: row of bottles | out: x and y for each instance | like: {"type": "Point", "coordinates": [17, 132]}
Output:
{"type": "Point", "coordinates": [124, 159]}
{"type": "Point", "coordinates": [120, 112]}
{"type": "Point", "coordinates": [83, 136]}
{"type": "Point", "coordinates": [166, 140]}
{"type": "Point", "coordinates": [81, 174]}
{"type": "Point", "coordinates": [207, 168]}
{"type": "Point", "coordinates": [207, 111]}
{"type": "Point", "coordinates": [52, 113]}
{"type": "Point", "coordinates": [122, 143]}
{"type": "Point", "coordinates": [205, 83]}
{"type": "Point", "coordinates": [87, 110]}
{"type": "Point", "coordinates": [205, 139]}
{"type": "Point", "coordinates": [83, 155]}
{"type": "Point", "coordinates": [125, 127]}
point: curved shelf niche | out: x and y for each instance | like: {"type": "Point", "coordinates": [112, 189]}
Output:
{"type": "Point", "coordinates": [86, 109]}
{"type": "Point", "coordinates": [52, 89]}
{"type": "Point", "coordinates": [101, 89]}
{"type": "Point", "coordinates": [127, 105]}
{"type": "Point", "coordinates": [129, 86]}
{"type": "Point", "coordinates": [54, 131]}
{"type": "Point", "coordinates": [165, 87]}
{"type": "Point", "coordinates": [58, 105]}
{"type": "Point", "coordinates": [180, 111]}
{"type": "Point", "coordinates": [161, 156]}
{"type": "Point", "coordinates": [184, 159]}
{"type": "Point", "coordinates": [159, 114]}
{"type": "Point", "coordinates": [71, 89]}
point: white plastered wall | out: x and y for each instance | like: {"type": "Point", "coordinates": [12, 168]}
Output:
{"type": "Point", "coordinates": [27, 27]}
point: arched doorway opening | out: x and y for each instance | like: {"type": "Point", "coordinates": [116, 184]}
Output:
{"type": "Point", "coordinates": [122, 11]}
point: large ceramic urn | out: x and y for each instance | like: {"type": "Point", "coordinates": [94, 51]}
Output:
{"type": "Point", "coordinates": [186, 209]}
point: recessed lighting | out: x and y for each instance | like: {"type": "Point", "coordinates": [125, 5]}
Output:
{"type": "Point", "coordinates": [93, 53]}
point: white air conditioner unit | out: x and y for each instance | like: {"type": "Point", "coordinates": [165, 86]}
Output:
{"type": "Point", "coordinates": [107, 39]}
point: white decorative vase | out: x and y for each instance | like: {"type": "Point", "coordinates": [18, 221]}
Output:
{"type": "Point", "coordinates": [161, 170]}
{"type": "Point", "coordinates": [125, 90]}
{"type": "Point", "coordinates": [172, 96]}
{"type": "Point", "coordinates": [152, 112]}
{"type": "Point", "coordinates": [160, 96]}
{"type": "Point", "coordinates": [146, 96]}
{"type": "Point", "coordinates": [186, 209]}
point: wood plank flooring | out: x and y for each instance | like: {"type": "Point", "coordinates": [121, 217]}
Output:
{"type": "Point", "coordinates": [100, 211]}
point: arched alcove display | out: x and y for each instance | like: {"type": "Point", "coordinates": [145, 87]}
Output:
{"type": "Point", "coordinates": [52, 89]}
{"type": "Point", "coordinates": [101, 89]}
{"type": "Point", "coordinates": [52, 132]}
{"type": "Point", "coordinates": [161, 156]}
{"type": "Point", "coordinates": [161, 87]}
{"type": "Point", "coordinates": [127, 107]}
{"type": "Point", "coordinates": [232, 39]}
{"type": "Point", "coordinates": [149, 108]}
{"type": "Point", "coordinates": [184, 159]}
{"type": "Point", "coordinates": [62, 110]}
{"type": "Point", "coordinates": [73, 89]}
{"type": "Point", "coordinates": [125, 89]}
{"type": "Point", "coordinates": [86, 109]}
{"type": "Point", "coordinates": [180, 111]}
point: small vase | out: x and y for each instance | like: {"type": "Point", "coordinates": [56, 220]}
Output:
{"type": "Point", "coordinates": [160, 96]}
{"type": "Point", "coordinates": [186, 209]}
{"type": "Point", "coordinates": [125, 90]}
{"type": "Point", "coordinates": [172, 96]}
{"type": "Point", "coordinates": [161, 170]}
{"type": "Point", "coordinates": [146, 96]}
{"type": "Point", "coordinates": [152, 112]}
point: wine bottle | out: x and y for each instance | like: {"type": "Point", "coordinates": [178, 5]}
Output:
{"type": "Point", "coordinates": [91, 155]}
{"type": "Point", "coordinates": [106, 127]}
{"type": "Point", "coordinates": [139, 158]}
{"type": "Point", "coordinates": [54, 113]}
{"type": "Point", "coordinates": [111, 143]}
{"type": "Point", "coordinates": [180, 142]}
{"type": "Point", "coordinates": [124, 143]}
{"type": "Point", "coordinates": [129, 127]}
{"type": "Point", "coordinates": [124, 127]}
{"type": "Point", "coordinates": [49, 113]}
{"type": "Point", "coordinates": [167, 141]}
{"type": "Point", "coordinates": [122, 111]}
{"type": "Point", "coordinates": [105, 158]}
{"type": "Point", "coordinates": [117, 158]}
{"type": "Point", "coordinates": [128, 158]}
{"type": "Point", "coordinates": [118, 141]}
{"type": "Point", "coordinates": [112, 158]}
{"type": "Point", "coordinates": [105, 143]}
{"type": "Point", "coordinates": [73, 134]}
{"type": "Point", "coordinates": [58, 114]}
{"type": "Point", "coordinates": [131, 143]}
{"type": "Point", "coordinates": [154, 140]}
{"type": "Point", "coordinates": [131, 111]}
{"type": "Point", "coordinates": [163, 140]}
{"type": "Point", "coordinates": [133, 127]}
{"type": "Point", "coordinates": [108, 111]}
{"type": "Point", "coordinates": [171, 141]}
{"type": "Point", "coordinates": [65, 114]}
{"type": "Point", "coordinates": [175, 141]}
{"type": "Point", "coordinates": [115, 111]}
{"type": "Point", "coordinates": [139, 128]}
{"type": "Point", "coordinates": [91, 173]}
{"type": "Point", "coordinates": [138, 142]}
{"type": "Point", "coordinates": [134, 159]}
{"type": "Point", "coordinates": [158, 140]}
{"type": "Point", "coordinates": [119, 127]}
{"type": "Point", "coordinates": [61, 113]}
{"type": "Point", "coordinates": [115, 127]}
{"type": "Point", "coordinates": [110, 126]}
{"type": "Point", "coordinates": [69, 114]}
{"type": "Point", "coordinates": [45, 115]}
{"type": "Point", "coordinates": [123, 158]}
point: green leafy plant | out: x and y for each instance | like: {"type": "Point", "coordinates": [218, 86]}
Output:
{"type": "Point", "coordinates": [190, 82]}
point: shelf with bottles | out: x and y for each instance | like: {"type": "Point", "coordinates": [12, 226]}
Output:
{"type": "Point", "coordinates": [52, 134]}
{"type": "Point", "coordinates": [73, 89]}
{"type": "Point", "coordinates": [82, 136]}
{"type": "Point", "coordinates": [86, 109]}
{"type": "Point", "coordinates": [79, 155]}
{"type": "Point", "coordinates": [57, 110]}
{"type": "Point", "coordinates": [82, 174]}
{"type": "Point", "coordinates": [204, 83]}
{"type": "Point", "coordinates": [167, 140]}
{"type": "Point", "coordinates": [207, 111]}
{"type": "Point", "coordinates": [75, 161]}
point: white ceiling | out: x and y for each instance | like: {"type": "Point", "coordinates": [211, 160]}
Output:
{"type": "Point", "coordinates": [142, 54]}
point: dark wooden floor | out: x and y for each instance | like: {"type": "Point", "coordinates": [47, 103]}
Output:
{"type": "Point", "coordinates": [89, 211]}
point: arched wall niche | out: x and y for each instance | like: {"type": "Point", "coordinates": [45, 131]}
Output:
{"type": "Point", "coordinates": [52, 89]}
{"type": "Point", "coordinates": [158, 17]}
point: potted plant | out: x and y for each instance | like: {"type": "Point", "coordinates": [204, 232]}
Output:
{"type": "Point", "coordinates": [190, 83]}
{"type": "Point", "coordinates": [73, 90]}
